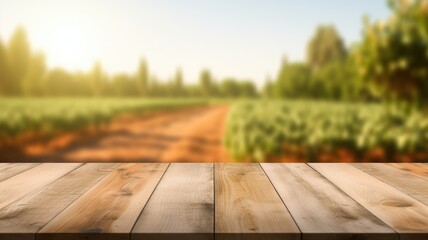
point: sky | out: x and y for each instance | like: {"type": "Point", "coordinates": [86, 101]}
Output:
{"type": "Point", "coordinates": [245, 39]}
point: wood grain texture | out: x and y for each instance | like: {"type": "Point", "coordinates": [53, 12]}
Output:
{"type": "Point", "coordinates": [32, 181]}
{"type": "Point", "coordinates": [22, 219]}
{"type": "Point", "coordinates": [154, 201]}
{"type": "Point", "coordinates": [248, 207]}
{"type": "Point", "coordinates": [110, 208]}
{"type": "Point", "coordinates": [418, 169]}
{"type": "Point", "coordinates": [406, 215]}
{"type": "Point", "coordinates": [403, 180]}
{"type": "Point", "coordinates": [8, 170]}
{"type": "Point", "coordinates": [182, 206]}
{"type": "Point", "coordinates": [320, 209]}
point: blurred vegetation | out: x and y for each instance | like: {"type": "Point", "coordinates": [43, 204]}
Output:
{"type": "Point", "coordinates": [390, 64]}
{"type": "Point", "coordinates": [49, 116]}
{"type": "Point", "coordinates": [330, 73]}
{"type": "Point", "coordinates": [24, 73]}
{"type": "Point", "coordinates": [325, 46]}
{"type": "Point", "coordinates": [393, 53]}
{"type": "Point", "coordinates": [307, 129]}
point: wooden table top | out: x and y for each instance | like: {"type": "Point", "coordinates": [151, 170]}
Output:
{"type": "Point", "coordinates": [157, 201]}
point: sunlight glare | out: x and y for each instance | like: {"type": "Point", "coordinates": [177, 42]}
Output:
{"type": "Point", "coordinates": [68, 46]}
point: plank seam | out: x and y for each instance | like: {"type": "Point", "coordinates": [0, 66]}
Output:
{"type": "Point", "coordinates": [390, 184]}
{"type": "Point", "coordinates": [148, 200]}
{"type": "Point", "coordinates": [214, 197]}
{"type": "Point", "coordinates": [393, 229]}
{"type": "Point", "coordinates": [16, 174]}
{"type": "Point", "coordinates": [282, 200]}
{"type": "Point", "coordinates": [77, 198]}
{"type": "Point", "coordinates": [43, 188]}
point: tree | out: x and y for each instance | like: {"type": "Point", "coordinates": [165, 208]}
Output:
{"type": "Point", "coordinates": [229, 88]}
{"type": "Point", "coordinates": [32, 84]}
{"type": "Point", "coordinates": [293, 81]}
{"type": "Point", "coordinates": [337, 80]}
{"type": "Point", "coordinates": [268, 88]}
{"type": "Point", "coordinates": [82, 85]}
{"type": "Point", "coordinates": [143, 78]}
{"type": "Point", "coordinates": [178, 83]}
{"type": "Point", "coordinates": [59, 83]}
{"type": "Point", "coordinates": [393, 54]}
{"type": "Point", "coordinates": [247, 89]}
{"type": "Point", "coordinates": [5, 82]}
{"type": "Point", "coordinates": [324, 47]}
{"type": "Point", "coordinates": [19, 56]}
{"type": "Point", "coordinates": [206, 83]}
{"type": "Point", "coordinates": [124, 86]}
{"type": "Point", "coordinates": [97, 79]}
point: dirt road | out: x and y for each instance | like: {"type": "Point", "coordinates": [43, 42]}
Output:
{"type": "Point", "coordinates": [192, 135]}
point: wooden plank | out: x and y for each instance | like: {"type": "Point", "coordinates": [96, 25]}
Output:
{"type": "Point", "coordinates": [110, 208]}
{"type": "Point", "coordinates": [248, 207]}
{"type": "Point", "coordinates": [418, 169]}
{"type": "Point", "coordinates": [182, 206]}
{"type": "Point", "coordinates": [24, 218]}
{"type": "Point", "coordinates": [32, 181]}
{"type": "Point", "coordinates": [403, 213]}
{"type": "Point", "coordinates": [8, 170]}
{"type": "Point", "coordinates": [405, 181]}
{"type": "Point", "coordinates": [320, 209]}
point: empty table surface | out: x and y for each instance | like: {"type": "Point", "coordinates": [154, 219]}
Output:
{"type": "Point", "coordinates": [213, 201]}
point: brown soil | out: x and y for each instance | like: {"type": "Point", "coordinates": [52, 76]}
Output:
{"type": "Point", "coordinates": [344, 155]}
{"type": "Point", "coordinates": [191, 135]}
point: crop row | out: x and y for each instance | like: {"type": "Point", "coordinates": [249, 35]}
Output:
{"type": "Point", "coordinates": [256, 130]}
{"type": "Point", "coordinates": [51, 115]}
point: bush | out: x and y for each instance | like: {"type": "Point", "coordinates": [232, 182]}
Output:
{"type": "Point", "coordinates": [394, 53]}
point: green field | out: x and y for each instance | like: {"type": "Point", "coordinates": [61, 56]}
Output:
{"type": "Point", "coordinates": [51, 115]}
{"type": "Point", "coordinates": [256, 130]}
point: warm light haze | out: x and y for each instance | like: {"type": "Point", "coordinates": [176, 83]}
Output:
{"type": "Point", "coordinates": [214, 81]}
{"type": "Point", "coordinates": [244, 39]}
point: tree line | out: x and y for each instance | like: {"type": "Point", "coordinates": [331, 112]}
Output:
{"type": "Point", "coordinates": [24, 73]}
{"type": "Point", "coordinates": [329, 72]}
{"type": "Point", "coordinates": [390, 62]}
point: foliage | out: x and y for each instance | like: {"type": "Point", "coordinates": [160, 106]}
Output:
{"type": "Point", "coordinates": [394, 53]}
{"type": "Point", "coordinates": [234, 88]}
{"type": "Point", "coordinates": [32, 84]}
{"type": "Point", "coordinates": [337, 80]}
{"type": "Point", "coordinates": [97, 78]}
{"type": "Point", "coordinates": [49, 116]}
{"type": "Point", "coordinates": [207, 83]}
{"type": "Point", "coordinates": [4, 71]}
{"type": "Point", "coordinates": [256, 130]}
{"type": "Point", "coordinates": [24, 73]}
{"type": "Point", "coordinates": [268, 89]}
{"type": "Point", "coordinates": [19, 58]}
{"type": "Point", "coordinates": [329, 74]}
{"type": "Point", "coordinates": [325, 46]}
{"type": "Point", "coordinates": [246, 89]}
{"type": "Point", "coordinates": [293, 81]}
{"type": "Point", "coordinates": [178, 85]}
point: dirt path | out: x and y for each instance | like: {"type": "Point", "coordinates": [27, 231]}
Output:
{"type": "Point", "coordinates": [192, 135]}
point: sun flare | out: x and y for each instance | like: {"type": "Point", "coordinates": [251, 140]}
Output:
{"type": "Point", "coordinates": [68, 45]}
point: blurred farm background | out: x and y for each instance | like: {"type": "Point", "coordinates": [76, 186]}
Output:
{"type": "Point", "coordinates": [364, 101]}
